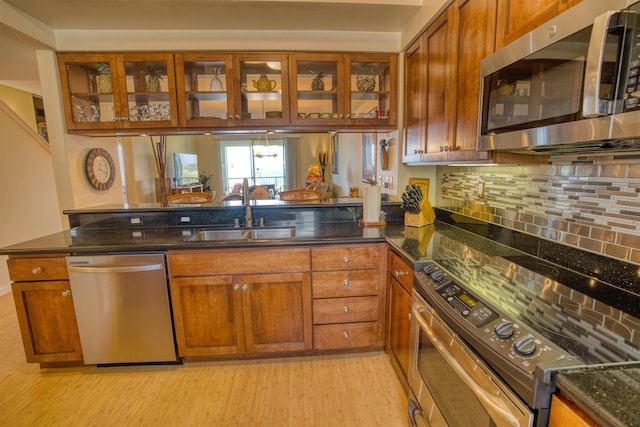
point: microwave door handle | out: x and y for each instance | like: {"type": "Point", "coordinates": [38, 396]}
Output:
{"type": "Point", "coordinates": [486, 396]}
{"type": "Point", "coordinates": [593, 70]}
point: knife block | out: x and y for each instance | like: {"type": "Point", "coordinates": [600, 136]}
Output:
{"type": "Point", "coordinates": [426, 215]}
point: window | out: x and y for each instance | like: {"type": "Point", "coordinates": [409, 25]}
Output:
{"type": "Point", "coordinates": [264, 164]}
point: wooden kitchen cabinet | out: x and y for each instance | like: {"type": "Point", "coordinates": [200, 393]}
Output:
{"type": "Point", "coordinates": [353, 90]}
{"type": "Point", "coordinates": [442, 87]}
{"type": "Point", "coordinates": [565, 413]}
{"type": "Point", "coordinates": [517, 18]}
{"type": "Point", "coordinates": [241, 301]}
{"type": "Point", "coordinates": [118, 92]}
{"type": "Point", "coordinates": [400, 286]}
{"type": "Point", "coordinates": [430, 101]}
{"type": "Point", "coordinates": [205, 89]}
{"type": "Point", "coordinates": [348, 296]}
{"type": "Point", "coordinates": [44, 306]}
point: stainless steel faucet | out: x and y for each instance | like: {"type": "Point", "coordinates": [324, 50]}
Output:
{"type": "Point", "coordinates": [248, 220]}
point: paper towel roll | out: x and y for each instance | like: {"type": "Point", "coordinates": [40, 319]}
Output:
{"type": "Point", "coordinates": [371, 203]}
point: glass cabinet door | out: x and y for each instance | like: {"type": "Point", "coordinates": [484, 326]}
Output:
{"type": "Point", "coordinates": [87, 86]}
{"type": "Point", "coordinates": [204, 85]}
{"type": "Point", "coordinates": [371, 89]}
{"type": "Point", "coordinates": [263, 95]}
{"type": "Point", "coordinates": [149, 84]}
{"type": "Point", "coordinates": [316, 85]}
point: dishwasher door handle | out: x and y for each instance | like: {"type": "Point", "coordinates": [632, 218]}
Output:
{"type": "Point", "coordinates": [127, 269]}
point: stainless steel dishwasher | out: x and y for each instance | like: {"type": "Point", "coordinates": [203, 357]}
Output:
{"type": "Point", "coordinates": [122, 308]}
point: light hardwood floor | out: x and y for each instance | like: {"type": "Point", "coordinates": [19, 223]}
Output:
{"type": "Point", "coordinates": [347, 390]}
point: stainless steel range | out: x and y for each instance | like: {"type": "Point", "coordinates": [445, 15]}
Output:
{"type": "Point", "coordinates": [488, 334]}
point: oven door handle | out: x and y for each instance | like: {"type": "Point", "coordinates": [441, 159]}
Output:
{"type": "Point", "coordinates": [483, 394]}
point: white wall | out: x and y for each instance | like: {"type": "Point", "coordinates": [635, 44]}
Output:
{"type": "Point", "coordinates": [29, 194]}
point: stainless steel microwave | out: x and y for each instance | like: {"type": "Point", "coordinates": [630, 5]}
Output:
{"type": "Point", "coordinates": [571, 85]}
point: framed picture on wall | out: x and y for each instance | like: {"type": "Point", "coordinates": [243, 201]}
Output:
{"type": "Point", "coordinates": [334, 154]}
{"type": "Point", "coordinates": [368, 156]}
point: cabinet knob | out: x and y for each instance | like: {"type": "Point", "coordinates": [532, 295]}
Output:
{"type": "Point", "coordinates": [345, 334]}
{"type": "Point", "coordinates": [236, 286]}
{"type": "Point", "coordinates": [345, 260]}
{"type": "Point", "coordinates": [400, 273]}
{"type": "Point", "coordinates": [341, 116]}
{"type": "Point", "coordinates": [245, 287]}
{"type": "Point", "coordinates": [237, 116]}
{"type": "Point", "coordinates": [409, 316]}
{"type": "Point", "coordinates": [346, 308]}
{"type": "Point", "coordinates": [345, 282]}
{"type": "Point", "coordinates": [37, 270]}
{"type": "Point", "coordinates": [66, 293]}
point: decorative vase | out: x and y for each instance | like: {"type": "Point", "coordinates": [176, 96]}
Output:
{"type": "Point", "coordinates": [366, 83]}
{"type": "Point", "coordinates": [163, 189]}
{"type": "Point", "coordinates": [317, 84]}
{"type": "Point", "coordinates": [263, 84]}
{"type": "Point", "coordinates": [152, 83]}
{"type": "Point", "coordinates": [103, 83]}
{"type": "Point", "coordinates": [371, 201]}
{"type": "Point", "coordinates": [216, 84]}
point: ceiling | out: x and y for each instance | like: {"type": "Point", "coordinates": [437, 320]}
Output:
{"type": "Point", "coordinates": [18, 60]}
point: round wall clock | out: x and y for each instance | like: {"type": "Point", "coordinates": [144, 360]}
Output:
{"type": "Point", "coordinates": [100, 169]}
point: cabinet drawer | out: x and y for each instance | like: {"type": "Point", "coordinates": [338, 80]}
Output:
{"type": "Point", "coordinates": [401, 271]}
{"type": "Point", "coordinates": [345, 258]}
{"type": "Point", "coordinates": [343, 310]}
{"type": "Point", "coordinates": [31, 269]}
{"type": "Point", "coordinates": [238, 261]}
{"type": "Point", "coordinates": [344, 335]}
{"type": "Point", "coordinates": [328, 284]}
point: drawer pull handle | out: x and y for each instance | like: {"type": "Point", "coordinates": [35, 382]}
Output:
{"type": "Point", "coordinates": [66, 293]}
{"type": "Point", "coordinates": [345, 260]}
{"type": "Point", "coordinates": [400, 273]}
{"type": "Point", "coordinates": [236, 286]}
{"type": "Point", "coordinates": [37, 270]}
{"type": "Point", "coordinates": [346, 308]}
{"type": "Point", "coordinates": [245, 287]}
{"type": "Point", "coordinates": [346, 334]}
{"type": "Point", "coordinates": [345, 282]}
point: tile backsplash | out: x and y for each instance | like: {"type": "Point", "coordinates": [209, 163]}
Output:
{"type": "Point", "coordinates": [591, 202]}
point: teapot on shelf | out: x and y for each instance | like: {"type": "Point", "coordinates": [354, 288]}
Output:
{"type": "Point", "coordinates": [263, 84]}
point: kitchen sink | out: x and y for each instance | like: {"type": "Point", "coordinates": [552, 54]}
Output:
{"type": "Point", "coordinates": [244, 234]}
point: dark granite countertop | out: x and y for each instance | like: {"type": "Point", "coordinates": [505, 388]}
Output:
{"type": "Point", "coordinates": [609, 395]}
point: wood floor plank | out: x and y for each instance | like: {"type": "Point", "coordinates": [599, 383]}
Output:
{"type": "Point", "coordinates": [341, 390]}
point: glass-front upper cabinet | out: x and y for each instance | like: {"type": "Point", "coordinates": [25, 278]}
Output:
{"type": "Point", "coordinates": [263, 95]}
{"type": "Point", "coordinates": [205, 89]}
{"type": "Point", "coordinates": [118, 91]}
{"type": "Point", "coordinates": [316, 85]}
{"type": "Point", "coordinates": [371, 95]}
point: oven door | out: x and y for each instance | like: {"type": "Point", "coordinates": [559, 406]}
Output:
{"type": "Point", "coordinates": [451, 385]}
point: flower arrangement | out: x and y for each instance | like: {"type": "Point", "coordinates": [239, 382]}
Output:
{"type": "Point", "coordinates": [314, 173]}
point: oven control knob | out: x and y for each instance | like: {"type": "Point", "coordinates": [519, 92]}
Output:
{"type": "Point", "coordinates": [504, 329]}
{"type": "Point", "coordinates": [437, 276]}
{"type": "Point", "coordinates": [525, 346]}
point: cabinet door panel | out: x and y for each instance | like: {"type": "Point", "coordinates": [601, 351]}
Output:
{"type": "Point", "coordinates": [440, 94]}
{"type": "Point", "coordinates": [475, 33]}
{"type": "Point", "coordinates": [277, 312]}
{"type": "Point", "coordinates": [208, 315]}
{"type": "Point", "coordinates": [47, 321]}
{"type": "Point", "coordinates": [399, 324]}
{"type": "Point", "coordinates": [414, 120]}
